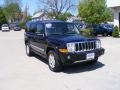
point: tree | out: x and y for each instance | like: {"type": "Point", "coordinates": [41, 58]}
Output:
{"type": "Point", "coordinates": [25, 17]}
{"type": "Point", "coordinates": [12, 10]}
{"type": "Point", "coordinates": [62, 16]}
{"type": "Point", "coordinates": [2, 17]}
{"type": "Point", "coordinates": [56, 7]}
{"type": "Point", "coordinates": [94, 11]}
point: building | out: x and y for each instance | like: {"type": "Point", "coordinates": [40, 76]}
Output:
{"type": "Point", "coordinates": [73, 18]}
{"type": "Point", "coordinates": [115, 5]}
{"type": "Point", "coordinates": [41, 15]}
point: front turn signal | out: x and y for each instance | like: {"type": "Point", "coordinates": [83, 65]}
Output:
{"type": "Point", "coordinates": [63, 50]}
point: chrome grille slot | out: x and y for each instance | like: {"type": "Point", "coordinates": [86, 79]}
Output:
{"type": "Point", "coordinates": [77, 46]}
{"type": "Point", "coordinates": [85, 46]}
{"type": "Point", "coordinates": [80, 47]}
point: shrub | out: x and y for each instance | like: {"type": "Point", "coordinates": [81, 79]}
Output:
{"type": "Point", "coordinates": [115, 32]}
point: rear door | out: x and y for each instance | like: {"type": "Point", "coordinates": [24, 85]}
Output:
{"type": "Point", "coordinates": [31, 33]}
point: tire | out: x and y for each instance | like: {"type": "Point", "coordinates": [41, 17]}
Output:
{"type": "Point", "coordinates": [93, 61]}
{"type": "Point", "coordinates": [105, 34]}
{"type": "Point", "coordinates": [28, 50]}
{"type": "Point", "coordinates": [110, 34]}
{"type": "Point", "coordinates": [95, 34]}
{"type": "Point", "coordinates": [53, 62]}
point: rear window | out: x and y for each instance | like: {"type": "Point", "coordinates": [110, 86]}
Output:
{"type": "Point", "coordinates": [13, 24]}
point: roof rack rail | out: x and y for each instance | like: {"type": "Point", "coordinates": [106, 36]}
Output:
{"type": "Point", "coordinates": [39, 19]}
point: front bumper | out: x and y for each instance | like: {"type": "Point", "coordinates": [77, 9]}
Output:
{"type": "Point", "coordinates": [80, 56]}
{"type": "Point", "coordinates": [5, 29]}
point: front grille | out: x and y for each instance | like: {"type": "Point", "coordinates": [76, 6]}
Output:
{"type": "Point", "coordinates": [85, 46]}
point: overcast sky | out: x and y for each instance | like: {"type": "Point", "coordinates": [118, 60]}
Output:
{"type": "Point", "coordinates": [112, 3]}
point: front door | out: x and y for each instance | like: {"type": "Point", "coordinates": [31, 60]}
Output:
{"type": "Point", "coordinates": [40, 41]}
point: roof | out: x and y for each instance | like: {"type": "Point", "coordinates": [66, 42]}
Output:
{"type": "Point", "coordinates": [46, 21]}
{"type": "Point", "coordinates": [51, 21]}
{"type": "Point", "coordinates": [39, 14]}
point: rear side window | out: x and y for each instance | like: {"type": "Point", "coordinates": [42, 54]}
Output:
{"type": "Point", "coordinates": [40, 28]}
{"type": "Point", "coordinates": [33, 28]}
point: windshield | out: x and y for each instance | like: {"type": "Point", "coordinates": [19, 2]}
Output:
{"type": "Point", "coordinates": [107, 25]}
{"type": "Point", "coordinates": [60, 28]}
{"type": "Point", "coordinates": [4, 25]}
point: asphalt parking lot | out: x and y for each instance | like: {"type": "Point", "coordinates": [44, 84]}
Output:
{"type": "Point", "coordinates": [19, 72]}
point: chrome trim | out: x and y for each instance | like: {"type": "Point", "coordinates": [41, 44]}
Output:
{"type": "Point", "coordinates": [83, 61]}
{"type": "Point", "coordinates": [85, 46]}
{"type": "Point", "coordinates": [37, 47]}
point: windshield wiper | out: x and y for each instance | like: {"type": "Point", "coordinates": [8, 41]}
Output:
{"type": "Point", "coordinates": [56, 34]}
{"type": "Point", "coordinates": [69, 33]}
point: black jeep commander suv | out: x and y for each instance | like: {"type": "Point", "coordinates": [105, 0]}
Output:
{"type": "Point", "coordinates": [61, 43]}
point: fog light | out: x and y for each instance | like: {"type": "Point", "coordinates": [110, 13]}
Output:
{"type": "Point", "coordinates": [69, 57]}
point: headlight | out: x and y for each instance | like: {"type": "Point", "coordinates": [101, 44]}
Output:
{"type": "Point", "coordinates": [71, 47]}
{"type": "Point", "coordinates": [98, 44]}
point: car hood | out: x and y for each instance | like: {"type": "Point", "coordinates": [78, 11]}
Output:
{"type": "Point", "coordinates": [68, 38]}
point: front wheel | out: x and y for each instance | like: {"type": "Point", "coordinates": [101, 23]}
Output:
{"type": "Point", "coordinates": [53, 60]}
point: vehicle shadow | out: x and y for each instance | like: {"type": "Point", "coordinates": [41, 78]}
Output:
{"type": "Point", "coordinates": [75, 68]}
{"type": "Point", "coordinates": [41, 59]}
{"type": "Point", "coordinates": [82, 67]}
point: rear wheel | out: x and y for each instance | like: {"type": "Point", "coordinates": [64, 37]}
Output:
{"type": "Point", "coordinates": [53, 60]}
{"type": "Point", "coordinates": [28, 50]}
